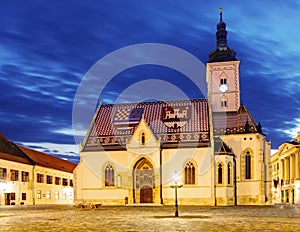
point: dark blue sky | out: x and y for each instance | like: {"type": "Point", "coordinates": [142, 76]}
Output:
{"type": "Point", "coordinates": [47, 47]}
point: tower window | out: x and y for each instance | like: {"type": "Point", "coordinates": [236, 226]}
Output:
{"type": "Point", "coordinates": [223, 81]}
{"type": "Point", "coordinates": [223, 103]}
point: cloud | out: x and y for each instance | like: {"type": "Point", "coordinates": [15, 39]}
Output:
{"type": "Point", "coordinates": [64, 151]}
{"type": "Point", "coordinates": [46, 49]}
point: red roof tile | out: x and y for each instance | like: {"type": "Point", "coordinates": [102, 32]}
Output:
{"type": "Point", "coordinates": [14, 158]}
{"type": "Point", "coordinates": [48, 161]}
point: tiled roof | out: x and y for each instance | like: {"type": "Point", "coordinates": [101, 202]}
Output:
{"type": "Point", "coordinates": [18, 159]}
{"type": "Point", "coordinates": [235, 122]}
{"type": "Point", "coordinates": [221, 147]}
{"type": "Point", "coordinates": [172, 122]}
{"type": "Point", "coordinates": [182, 121]}
{"type": "Point", "coordinates": [48, 161]}
{"type": "Point", "coordinates": [10, 151]}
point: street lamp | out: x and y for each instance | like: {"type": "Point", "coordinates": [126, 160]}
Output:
{"type": "Point", "coordinates": [175, 186]}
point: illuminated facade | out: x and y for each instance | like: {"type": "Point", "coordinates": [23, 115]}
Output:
{"type": "Point", "coordinates": [29, 177]}
{"type": "Point", "coordinates": [286, 172]}
{"type": "Point", "coordinates": [133, 153]}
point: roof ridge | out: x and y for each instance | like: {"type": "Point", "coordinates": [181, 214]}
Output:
{"type": "Point", "coordinates": [155, 102]}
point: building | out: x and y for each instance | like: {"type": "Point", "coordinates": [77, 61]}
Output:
{"type": "Point", "coordinates": [29, 177]}
{"type": "Point", "coordinates": [134, 152]}
{"type": "Point", "coordinates": [286, 172]}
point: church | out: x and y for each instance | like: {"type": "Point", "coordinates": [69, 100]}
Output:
{"type": "Point", "coordinates": [211, 147]}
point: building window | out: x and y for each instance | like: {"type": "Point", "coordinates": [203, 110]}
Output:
{"type": "Point", "coordinates": [109, 176]}
{"type": "Point", "coordinates": [25, 176]}
{"type": "Point", "coordinates": [57, 180]}
{"type": "Point", "coordinates": [248, 165]}
{"type": "Point", "coordinates": [64, 195]}
{"type": "Point", "coordinates": [223, 103]}
{"type": "Point", "coordinates": [223, 81]}
{"type": "Point", "coordinates": [38, 194]}
{"type": "Point", "coordinates": [48, 194]}
{"type": "Point", "coordinates": [71, 195]}
{"type": "Point", "coordinates": [40, 178]}
{"type": "Point", "coordinates": [189, 173]}
{"type": "Point", "coordinates": [143, 138]}
{"type": "Point", "coordinates": [220, 173]}
{"type": "Point", "coordinates": [56, 195]}
{"type": "Point", "coordinates": [229, 173]}
{"type": "Point", "coordinates": [3, 173]}
{"type": "Point", "coordinates": [71, 182]}
{"type": "Point", "coordinates": [13, 196]}
{"type": "Point", "coordinates": [23, 196]}
{"type": "Point", "coordinates": [49, 179]}
{"type": "Point", "coordinates": [14, 175]}
{"type": "Point", "coordinates": [65, 182]}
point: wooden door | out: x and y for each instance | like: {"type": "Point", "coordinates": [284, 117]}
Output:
{"type": "Point", "coordinates": [7, 198]}
{"type": "Point", "coordinates": [146, 195]}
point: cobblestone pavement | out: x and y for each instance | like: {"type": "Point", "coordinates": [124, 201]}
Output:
{"type": "Point", "coordinates": [149, 218]}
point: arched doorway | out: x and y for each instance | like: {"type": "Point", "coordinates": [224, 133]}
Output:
{"type": "Point", "coordinates": [143, 181]}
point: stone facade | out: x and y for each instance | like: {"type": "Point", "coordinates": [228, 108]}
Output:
{"type": "Point", "coordinates": [133, 153]}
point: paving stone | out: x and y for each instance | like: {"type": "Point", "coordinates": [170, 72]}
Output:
{"type": "Point", "coordinates": [155, 218]}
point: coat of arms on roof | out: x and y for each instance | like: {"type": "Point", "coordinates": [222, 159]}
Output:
{"type": "Point", "coordinates": [126, 119]}
{"type": "Point", "coordinates": [175, 118]}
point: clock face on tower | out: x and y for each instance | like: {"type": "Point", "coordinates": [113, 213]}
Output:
{"type": "Point", "coordinates": [223, 88]}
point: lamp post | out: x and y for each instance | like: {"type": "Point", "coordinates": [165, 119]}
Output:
{"type": "Point", "coordinates": [176, 186]}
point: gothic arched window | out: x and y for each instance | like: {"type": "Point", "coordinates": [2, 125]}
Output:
{"type": "Point", "coordinates": [143, 138]}
{"type": "Point", "coordinates": [248, 165]}
{"type": "Point", "coordinates": [223, 81]}
{"type": "Point", "coordinates": [229, 173]}
{"type": "Point", "coordinates": [189, 173]}
{"type": "Point", "coordinates": [109, 175]}
{"type": "Point", "coordinates": [220, 173]}
{"type": "Point", "coordinates": [223, 103]}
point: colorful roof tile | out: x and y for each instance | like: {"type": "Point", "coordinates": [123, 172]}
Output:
{"type": "Point", "coordinates": [235, 122]}
{"type": "Point", "coordinates": [172, 122]}
{"type": "Point", "coordinates": [184, 121]}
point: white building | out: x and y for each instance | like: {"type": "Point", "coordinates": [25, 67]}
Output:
{"type": "Point", "coordinates": [218, 152]}
{"type": "Point", "coordinates": [29, 177]}
{"type": "Point", "coordinates": [286, 172]}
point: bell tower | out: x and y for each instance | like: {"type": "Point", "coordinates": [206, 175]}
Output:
{"type": "Point", "coordinates": [222, 74]}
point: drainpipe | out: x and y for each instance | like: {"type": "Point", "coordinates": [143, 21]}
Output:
{"type": "Point", "coordinates": [160, 175]}
{"type": "Point", "coordinates": [32, 185]}
{"type": "Point", "coordinates": [234, 180]}
{"type": "Point", "coordinates": [133, 182]}
{"type": "Point", "coordinates": [214, 174]}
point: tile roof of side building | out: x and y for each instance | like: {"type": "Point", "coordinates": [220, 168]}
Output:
{"type": "Point", "coordinates": [12, 152]}
{"type": "Point", "coordinates": [48, 161]}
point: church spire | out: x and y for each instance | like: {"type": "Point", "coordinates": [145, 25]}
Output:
{"type": "Point", "coordinates": [222, 52]}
